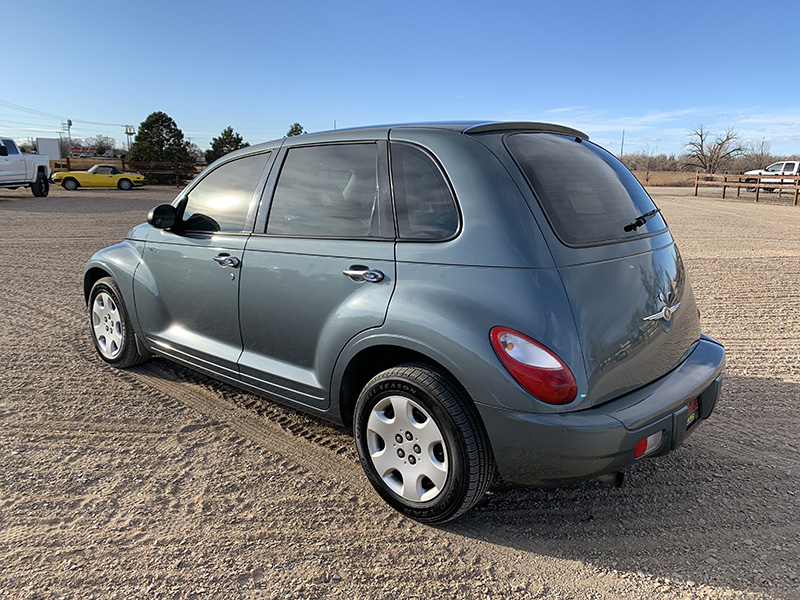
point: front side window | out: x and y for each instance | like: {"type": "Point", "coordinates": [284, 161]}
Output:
{"type": "Point", "coordinates": [10, 146]}
{"type": "Point", "coordinates": [588, 196]}
{"type": "Point", "coordinates": [329, 191]}
{"type": "Point", "coordinates": [103, 171]}
{"type": "Point", "coordinates": [776, 168]}
{"type": "Point", "coordinates": [425, 206]}
{"type": "Point", "coordinates": [221, 200]}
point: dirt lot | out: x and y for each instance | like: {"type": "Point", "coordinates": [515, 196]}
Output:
{"type": "Point", "coordinates": [159, 483]}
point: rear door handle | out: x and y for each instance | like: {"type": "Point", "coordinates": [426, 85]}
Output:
{"type": "Point", "coordinates": [363, 274]}
{"type": "Point", "coordinates": [226, 260]}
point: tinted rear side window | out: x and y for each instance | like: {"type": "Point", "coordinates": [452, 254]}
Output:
{"type": "Point", "coordinates": [329, 191]}
{"type": "Point", "coordinates": [587, 194]}
{"type": "Point", "coordinates": [425, 206]}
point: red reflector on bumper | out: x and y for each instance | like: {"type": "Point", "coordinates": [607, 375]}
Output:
{"type": "Point", "coordinates": [648, 444]}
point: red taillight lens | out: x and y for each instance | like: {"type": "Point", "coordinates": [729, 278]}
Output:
{"type": "Point", "coordinates": [534, 366]}
{"type": "Point", "coordinates": [648, 445]}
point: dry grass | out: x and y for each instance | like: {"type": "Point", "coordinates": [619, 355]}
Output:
{"type": "Point", "coordinates": [665, 178]}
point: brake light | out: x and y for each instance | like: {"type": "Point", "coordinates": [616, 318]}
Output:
{"type": "Point", "coordinates": [534, 366]}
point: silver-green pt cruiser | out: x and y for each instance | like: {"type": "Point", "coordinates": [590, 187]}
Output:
{"type": "Point", "coordinates": [469, 297]}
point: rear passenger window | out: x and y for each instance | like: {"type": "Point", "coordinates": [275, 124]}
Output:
{"type": "Point", "coordinates": [329, 191]}
{"type": "Point", "coordinates": [221, 200]}
{"type": "Point", "coordinates": [425, 206]}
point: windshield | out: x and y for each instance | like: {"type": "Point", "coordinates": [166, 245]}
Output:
{"type": "Point", "coordinates": [588, 195]}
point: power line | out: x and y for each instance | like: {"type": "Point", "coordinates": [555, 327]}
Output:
{"type": "Point", "coordinates": [30, 110]}
{"type": "Point", "coordinates": [40, 113]}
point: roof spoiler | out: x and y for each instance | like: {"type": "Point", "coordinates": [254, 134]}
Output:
{"type": "Point", "coordinates": [526, 126]}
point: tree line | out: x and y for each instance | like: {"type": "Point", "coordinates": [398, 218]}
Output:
{"type": "Point", "coordinates": [159, 139]}
{"type": "Point", "coordinates": [709, 152]}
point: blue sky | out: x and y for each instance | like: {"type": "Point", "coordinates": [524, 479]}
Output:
{"type": "Point", "coordinates": [654, 69]}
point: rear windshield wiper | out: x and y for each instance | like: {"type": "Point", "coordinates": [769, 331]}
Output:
{"type": "Point", "coordinates": [641, 220]}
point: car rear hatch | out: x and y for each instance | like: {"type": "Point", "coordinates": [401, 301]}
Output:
{"type": "Point", "coordinates": [633, 306]}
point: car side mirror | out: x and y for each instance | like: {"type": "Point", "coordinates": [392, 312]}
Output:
{"type": "Point", "coordinates": [162, 216]}
{"type": "Point", "coordinates": [3, 151]}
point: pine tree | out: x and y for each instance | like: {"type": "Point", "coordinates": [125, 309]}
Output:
{"type": "Point", "coordinates": [228, 141]}
{"type": "Point", "coordinates": [160, 140]}
{"type": "Point", "coordinates": [295, 129]}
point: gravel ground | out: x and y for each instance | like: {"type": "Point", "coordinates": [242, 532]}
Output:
{"type": "Point", "coordinates": [160, 483]}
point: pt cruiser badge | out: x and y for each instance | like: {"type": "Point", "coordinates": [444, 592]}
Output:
{"type": "Point", "coordinates": [665, 313]}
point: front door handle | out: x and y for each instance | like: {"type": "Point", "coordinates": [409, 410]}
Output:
{"type": "Point", "coordinates": [363, 273]}
{"type": "Point", "coordinates": [226, 260]}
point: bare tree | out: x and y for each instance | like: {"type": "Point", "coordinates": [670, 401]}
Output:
{"type": "Point", "coordinates": [710, 151]}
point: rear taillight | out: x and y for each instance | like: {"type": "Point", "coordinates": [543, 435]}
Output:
{"type": "Point", "coordinates": [535, 367]}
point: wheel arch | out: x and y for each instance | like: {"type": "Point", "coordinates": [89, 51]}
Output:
{"type": "Point", "coordinates": [369, 359]}
{"type": "Point", "coordinates": [90, 277]}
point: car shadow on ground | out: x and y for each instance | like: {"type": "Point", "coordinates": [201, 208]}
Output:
{"type": "Point", "coordinates": [721, 510]}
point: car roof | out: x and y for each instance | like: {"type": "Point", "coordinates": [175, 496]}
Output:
{"type": "Point", "coordinates": [473, 127]}
{"type": "Point", "coordinates": [382, 131]}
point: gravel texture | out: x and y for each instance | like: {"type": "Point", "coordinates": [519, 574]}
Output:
{"type": "Point", "coordinates": [160, 483]}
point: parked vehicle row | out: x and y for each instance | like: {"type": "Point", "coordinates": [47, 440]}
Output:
{"type": "Point", "coordinates": [466, 296]}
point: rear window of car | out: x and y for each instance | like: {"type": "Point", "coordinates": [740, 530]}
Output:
{"type": "Point", "coordinates": [588, 196]}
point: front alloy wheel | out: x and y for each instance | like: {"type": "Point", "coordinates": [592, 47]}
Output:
{"type": "Point", "coordinates": [111, 328]}
{"type": "Point", "coordinates": [107, 325]}
{"type": "Point", "coordinates": [421, 443]}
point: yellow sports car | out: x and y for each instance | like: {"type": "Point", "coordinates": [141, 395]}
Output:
{"type": "Point", "coordinates": [99, 176]}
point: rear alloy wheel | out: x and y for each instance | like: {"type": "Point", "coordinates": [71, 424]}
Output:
{"type": "Point", "coordinates": [112, 332]}
{"type": "Point", "coordinates": [40, 187]}
{"type": "Point", "coordinates": [70, 184]}
{"type": "Point", "coordinates": [124, 184]}
{"type": "Point", "coordinates": [421, 443]}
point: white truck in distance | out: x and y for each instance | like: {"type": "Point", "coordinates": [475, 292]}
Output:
{"type": "Point", "coordinates": [23, 170]}
{"type": "Point", "coordinates": [789, 167]}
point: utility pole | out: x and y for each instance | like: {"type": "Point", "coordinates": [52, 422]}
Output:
{"type": "Point", "coordinates": [129, 132]}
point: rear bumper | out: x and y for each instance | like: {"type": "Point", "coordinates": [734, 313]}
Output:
{"type": "Point", "coordinates": [547, 449]}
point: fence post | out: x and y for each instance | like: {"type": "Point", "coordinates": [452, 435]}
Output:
{"type": "Point", "coordinates": [724, 181]}
{"type": "Point", "coordinates": [758, 186]}
{"type": "Point", "coordinates": [696, 181]}
{"type": "Point", "coordinates": [796, 188]}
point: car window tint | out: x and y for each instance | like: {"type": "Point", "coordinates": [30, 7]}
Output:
{"type": "Point", "coordinates": [587, 195]}
{"type": "Point", "coordinates": [103, 170]}
{"type": "Point", "coordinates": [425, 206]}
{"type": "Point", "coordinates": [221, 200]}
{"type": "Point", "coordinates": [788, 167]}
{"type": "Point", "coordinates": [329, 191]}
{"type": "Point", "coordinates": [11, 146]}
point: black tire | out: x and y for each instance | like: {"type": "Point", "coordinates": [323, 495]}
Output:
{"type": "Point", "coordinates": [110, 326]}
{"type": "Point", "coordinates": [462, 452]}
{"type": "Point", "coordinates": [40, 187]}
{"type": "Point", "coordinates": [70, 184]}
{"type": "Point", "coordinates": [124, 184]}
{"type": "Point", "coordinates": [750, 189]}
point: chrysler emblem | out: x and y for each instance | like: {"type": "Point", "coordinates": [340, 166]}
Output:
{"type": "Point", "coordinates": [665, 313]}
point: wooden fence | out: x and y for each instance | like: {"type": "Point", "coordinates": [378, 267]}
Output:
{"type": "Point", "coordinates": [751, 183]}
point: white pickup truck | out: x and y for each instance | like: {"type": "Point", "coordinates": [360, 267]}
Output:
{"type": "Point", "coordinates": [789, 167]}
{"type": "Point", "coordinates": [23, 170]}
